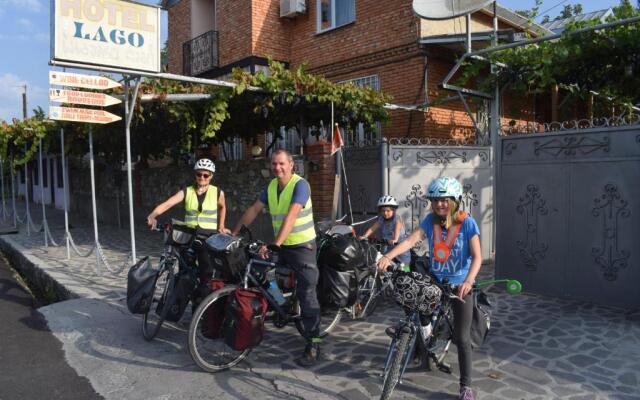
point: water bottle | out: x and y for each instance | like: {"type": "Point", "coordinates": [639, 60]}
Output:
{"type": "Point", "coordinates": [275, 292]}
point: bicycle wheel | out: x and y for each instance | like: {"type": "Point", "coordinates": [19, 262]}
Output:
{"type": "Point", "coordinates": [329, 319]}
{"type": "Point", "coordinates": [369, 292]}
{"type": "Point", "coordinates": [212, 354]}
{"type": "Point", "coordinates": [439, 343]}
{"type": "Point", "coordinates": [152, 320]}
{"type": "Point", "coordinates": [392, 377]}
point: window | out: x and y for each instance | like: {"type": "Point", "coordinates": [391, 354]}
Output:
{"type": "Point", "coordinates": [360, 136]}
{"type": "Point", "coordinates": [335, 13]}
{"type": "Point", "coordinates": [231, 151]}
{"type": "Point", "coordinates": [290, 141]}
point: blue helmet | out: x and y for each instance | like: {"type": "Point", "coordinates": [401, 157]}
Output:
{"type": "Point", "coordinates": [445, 186]}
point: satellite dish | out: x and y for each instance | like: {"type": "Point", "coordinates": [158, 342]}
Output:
{"type": "Point", "coordinates": [446, 9]}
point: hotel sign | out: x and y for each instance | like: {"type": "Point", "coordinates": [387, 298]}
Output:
{"type": "Point", "coordinates": [114, 33]}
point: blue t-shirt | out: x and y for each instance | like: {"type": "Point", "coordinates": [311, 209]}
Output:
{"type": "Point", "coordinates": [300, 194]}
{"type": "Point", "coordinates": [387, 231]}
{"type": "Point", "coordinates": [457, 266]}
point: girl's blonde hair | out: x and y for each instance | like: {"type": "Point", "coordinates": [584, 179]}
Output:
{"type": "Point", "coordinates": [453, 217]}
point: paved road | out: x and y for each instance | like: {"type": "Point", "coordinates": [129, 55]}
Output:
{"type": "Point", "coordinates": [32, 363]}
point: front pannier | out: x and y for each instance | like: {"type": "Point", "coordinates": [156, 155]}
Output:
{"type": "Point", "coordinates": [228, 254]}
{"type": "Point", "coordinates": [415, 291]}
{"type": "Point", "coordinates": [141, 281]}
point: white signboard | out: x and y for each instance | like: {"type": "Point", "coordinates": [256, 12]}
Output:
{"type": "Point", "coordinates": [81, 80]}
{"type": "Point", "coordinates": [114, 33]}
{"type": "Point", "coordinates": [84, 98]}
{"type": "Point", "coordinates": [75, 114]}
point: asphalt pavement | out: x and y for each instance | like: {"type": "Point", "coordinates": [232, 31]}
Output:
{"type": "Point", "coordinates": [32, 363]}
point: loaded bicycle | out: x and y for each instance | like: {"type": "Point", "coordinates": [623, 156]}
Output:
{"type": "Point", "coordinates": [426, 330]}
{"type": "Point", "coordinates": [210, 345]}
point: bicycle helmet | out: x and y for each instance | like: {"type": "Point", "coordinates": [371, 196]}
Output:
{"type": "Point", "coordinates": [205, 164]}
{"type": "Point", "coordinates": [445, 186]}
{"type": "Point", "coordinates": [387, 201]}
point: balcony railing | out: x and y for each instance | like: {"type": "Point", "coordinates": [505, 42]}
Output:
{"type": "Point", "coordinates": [200, 54]}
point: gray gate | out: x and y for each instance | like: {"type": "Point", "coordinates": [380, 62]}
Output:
{"type": "Point", "coordinates": [414, 163]}
{"type": "Point", "coordinates": [363, 166]}
{"type": "Point", "coordinates": [569, 222]}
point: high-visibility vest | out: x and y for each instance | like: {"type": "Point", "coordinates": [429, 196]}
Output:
{"type": "Point", "coordinates": [208, 217]}
{"type": "Point", "coordinates": [303, 228]}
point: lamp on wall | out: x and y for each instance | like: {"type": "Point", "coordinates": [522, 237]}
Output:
{"type": "Point", "coordinates": [256, 150]}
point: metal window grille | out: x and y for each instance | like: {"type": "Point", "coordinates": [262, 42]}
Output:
{"type": "Point", "coordinates": [290, 140]}
{"type": "Point", "coordinates": [360, 136]}
{"type": "Point", "coordinates": [232, 151]}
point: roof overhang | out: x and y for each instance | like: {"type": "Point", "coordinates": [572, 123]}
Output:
{"type": "Point", "coordinates": [516, 20]}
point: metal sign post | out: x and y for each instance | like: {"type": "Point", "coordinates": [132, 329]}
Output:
{"type": "Point", "coordinates": [93, 198]}
{"type": "Point", "coordinates": [26, 193]}
{"type": "Point", "coordinates": [64, 195]}
{"type": "Point", "coordinates": [4, 205]}
{"type": "Point", "coordinates": [13, 193]}
{"type": "Point", "coordinates": [128, 114]}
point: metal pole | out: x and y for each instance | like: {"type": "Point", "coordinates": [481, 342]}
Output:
{"type": "Point", "coordinates": [93, 199]}
{"type": "Point", "coordinates": [4, 206]}
{"type": "Point", "coordinates": [384, 163]}
{"type": "Point", "coordinates": [495, 140]}
{"type": "Point", "coordinates": [41, 182]}
{"type": "Point", "coordinates": [26, 192]}
{"type": "Point", "coordinates": [127, 116]}
{"type": "Point", "coordinates": [468, 33]}
{"type": "Point", "coordinates": [64, 195]}
{"type": "Point", "coordinates": [13, 193]}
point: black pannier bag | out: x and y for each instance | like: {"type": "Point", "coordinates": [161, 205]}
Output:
{"type": "Point", "coordinates": [141, 281]}
{"type": "Point", "coordinates": [243, 325]}
{"type": "Point", "coordinates": [183, 285]}
{"type": "Point", "coordinates": [481, 322]}
{"type": "Point", "coordinates": [228, 254]}
{"type": "Point", "coordinates": [341, 252]}
{"type": "Point", "coordinates": [337, 289]}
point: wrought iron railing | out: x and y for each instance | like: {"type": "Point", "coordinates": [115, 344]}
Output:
{"type": "Point", "coordinates": [200, 54]}
{"type": "Point", "coordinates": [572, 125]}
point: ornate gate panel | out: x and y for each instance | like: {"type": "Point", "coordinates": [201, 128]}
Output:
{"type": "Point", "coordinates": [569, 222]}
{"type": "Point", "coordinates": [413, 165]}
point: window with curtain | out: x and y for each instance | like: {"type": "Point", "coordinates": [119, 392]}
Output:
{"type": "Point", "coordinates": [335, 13]}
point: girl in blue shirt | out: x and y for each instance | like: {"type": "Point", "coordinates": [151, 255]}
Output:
{"type": "Point", "coordinates": [454, 243]}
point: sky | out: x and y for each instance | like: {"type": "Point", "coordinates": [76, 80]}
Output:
{"type": "Point", "coordinates": [25, 49]}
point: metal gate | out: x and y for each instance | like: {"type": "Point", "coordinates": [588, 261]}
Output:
{"type": "Point", "coordinates": [414, 163]}
{"type": "Point", "coordinates": [569, 219]}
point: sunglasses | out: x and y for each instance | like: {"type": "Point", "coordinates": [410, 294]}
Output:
{"type": "Point", "coordinates": [203, 175]}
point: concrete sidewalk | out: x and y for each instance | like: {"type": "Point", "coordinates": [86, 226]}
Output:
{"type": "Point", "coordinates": [539, 347]}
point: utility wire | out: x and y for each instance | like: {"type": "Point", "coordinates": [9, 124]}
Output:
{"type": "Point", "coordinates": [549, 9]}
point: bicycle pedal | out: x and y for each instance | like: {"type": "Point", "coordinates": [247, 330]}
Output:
{"type": "Point", "coordinates": [446, 368]}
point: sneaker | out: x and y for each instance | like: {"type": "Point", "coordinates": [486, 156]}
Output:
{"type": "Point", "coordinates": [466, 393]}
{"type": "Point", "coordinates": [390, 331]}
{"type": "Point", "coordinates": [311, 355]}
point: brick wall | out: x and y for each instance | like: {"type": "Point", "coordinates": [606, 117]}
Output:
{"type": "Point", "coordinates": [179, 32]}
{"type": "Point", "coordinates": [234, 22]}
{"type": "Point", "coordinates": [271, 35]}
{"type": "Point", "coordinates": [321, 176]}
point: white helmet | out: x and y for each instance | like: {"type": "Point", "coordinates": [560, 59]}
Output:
{"type": "Point", "coordinates": [205, 164]}
{"type": "Point", "coordinates": [387, 201]}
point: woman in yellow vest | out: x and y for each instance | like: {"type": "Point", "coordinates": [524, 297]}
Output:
{"type": "Point", "coordinates": [288, 197]}
{"type": "Point", "coordinates": [204, 210]}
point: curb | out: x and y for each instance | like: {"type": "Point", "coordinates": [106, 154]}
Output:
{"type": "Point", "coordinates": [45, 286]}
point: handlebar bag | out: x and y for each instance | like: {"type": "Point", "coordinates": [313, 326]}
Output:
{"type": "Point", "coordinates": [228, 254]}
{"type": "Point", "coordinates": [183, 285]}
{"type": "Point", "coordinates": [337, 289]}
{"type": "Point", "coordinates": [243, 325]}
{"type": "Point", "coordinates": [341, 252]}
{"type": "Point", "coordinates": [211, 327]}
{"type": "Point", "coordinates": [141, 281]}
{"type": "Point", "coordinates": [416, 291]}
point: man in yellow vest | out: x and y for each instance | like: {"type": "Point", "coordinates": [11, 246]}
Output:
{"type": "Point", "coordinates": [288, 197]}
{"type": "Point", "coordinates": [204, 210]}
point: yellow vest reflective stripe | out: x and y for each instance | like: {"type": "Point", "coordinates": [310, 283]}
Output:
{"type": "Point", "coordinates": [208, 217]}
{"type": "Point", "coordinates": [303, 228]}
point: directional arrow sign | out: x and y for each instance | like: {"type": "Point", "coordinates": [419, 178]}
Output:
{"type": "Point", "coordinates": [81, 81]}
{"type": "Point", "coordinates": [82, 115]}
{"type": "Point", "coordinates": [78, 97]}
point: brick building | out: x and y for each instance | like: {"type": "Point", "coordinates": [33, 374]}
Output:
{"type": "Point", "coordinates": [382, 44]}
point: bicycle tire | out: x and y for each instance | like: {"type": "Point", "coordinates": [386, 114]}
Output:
{"type": "Point", "coordinates": [392, 376]}
{"type": "Point", "coordinates": [366, 304]}
{"type": "Point", "coordinates": [329, 319]}
{"type": "Point", "coordinates": [152, 320]}
{"type": "Point", "coordinates": [202, 349]}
